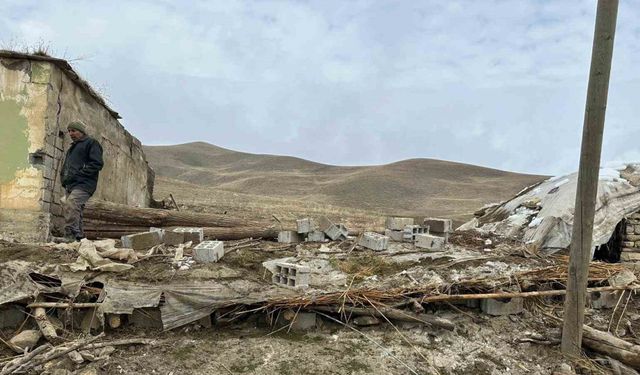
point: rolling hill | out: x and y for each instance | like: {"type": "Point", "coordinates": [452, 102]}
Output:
{"type": "Point", "coordinates": [415, 187]}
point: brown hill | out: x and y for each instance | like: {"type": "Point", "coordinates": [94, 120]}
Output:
{"type": "Point", "coordinates": [415, 187]}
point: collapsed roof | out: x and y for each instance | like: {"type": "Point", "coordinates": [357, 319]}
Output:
{"type": "Point", "coordinates": [541, 215]}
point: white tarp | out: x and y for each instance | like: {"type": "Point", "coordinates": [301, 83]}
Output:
{"type": "Point", "coordinates": [543, 214]}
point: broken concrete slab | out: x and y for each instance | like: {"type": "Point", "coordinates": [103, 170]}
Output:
{"type": "Point", "coordinates": [429, 242]}
{"type": "Point", "coordinates": [315, 236]}
{"type": "Point", "coordinates": [438, 225]}
{"type": "Point", "coordinates": [208, 251]}
{"type": "Point", "coordinates": [291, 275]}
{"type": "Point", "coordinates": [505, 306]}
{"type": "Point", "coordinates": [195, 235]}
{"type": "Point", "coordinates": [374, 241]}
{"type": "Point", "coordinates": [289, 236]}
{"type": "Point", "coordinates": [394, 235]}
{"type": "Point", "coordinates": [305, 225]}
{"type": "Point", "coordinates": [141, 241]}
{"type": "Point", "coordinates": [398, 223]}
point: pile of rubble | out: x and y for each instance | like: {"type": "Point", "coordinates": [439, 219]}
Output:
{"type": "Point", "coordinates": [311, 231]}
{"type": "Point", "coordinates": [432, 235]}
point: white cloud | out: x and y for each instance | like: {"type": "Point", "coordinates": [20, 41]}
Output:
{"type": "Point", "coordinates": [495, 83]}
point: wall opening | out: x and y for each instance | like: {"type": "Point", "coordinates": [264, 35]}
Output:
{"type": "Point", "coordinates": [610, 251]}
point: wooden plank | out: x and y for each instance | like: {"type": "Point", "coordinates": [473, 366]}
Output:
{"type": "Point", "coordinates": [581, 240]}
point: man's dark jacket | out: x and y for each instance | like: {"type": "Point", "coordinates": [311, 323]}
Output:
{"type": "Point", "coordinates": [82, 165]}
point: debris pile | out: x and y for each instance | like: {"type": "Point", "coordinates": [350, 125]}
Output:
{"type": "Point", "coordinates": [310, 230]}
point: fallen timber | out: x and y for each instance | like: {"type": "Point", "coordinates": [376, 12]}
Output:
{"type": "Point", "coordinates": [94, 230]}
{"type": "Point", "coordinates": [145, 217]}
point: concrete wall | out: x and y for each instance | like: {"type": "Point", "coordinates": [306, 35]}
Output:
{"type": "Point", "coordinates": [37, 101]}
{"type": "Point", "coordinates": [23, 108]}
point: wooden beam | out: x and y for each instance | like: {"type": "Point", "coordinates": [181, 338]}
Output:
{"type": "Point", "coordinates": [587, 189]}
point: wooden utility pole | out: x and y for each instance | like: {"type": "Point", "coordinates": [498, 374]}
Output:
{"type": "Point", "coordinates": [587, 189]}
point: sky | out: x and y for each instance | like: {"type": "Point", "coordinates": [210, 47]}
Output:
{"type": "Point", "coordinates": [495, 83]}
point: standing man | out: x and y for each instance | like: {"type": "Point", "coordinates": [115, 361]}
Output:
{"type": "Point", "coordinates": [79, 177]}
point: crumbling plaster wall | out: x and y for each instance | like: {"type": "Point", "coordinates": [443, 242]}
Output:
{"type": "Point", "coordinates": [23, 107]}
{"type": "Point", "coordinates": [37, 101]}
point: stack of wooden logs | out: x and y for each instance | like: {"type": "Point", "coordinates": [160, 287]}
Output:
{"type": "Point", "coordinates": [110, 220]}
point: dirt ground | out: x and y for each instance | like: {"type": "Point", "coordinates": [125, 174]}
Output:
{"type": "Point", "coordinates": [524, 343]}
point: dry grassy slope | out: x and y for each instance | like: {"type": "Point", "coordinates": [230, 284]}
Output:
{"type": "Point", "coordinates": [415, 187]}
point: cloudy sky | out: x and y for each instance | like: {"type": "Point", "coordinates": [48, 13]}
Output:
{"type": "Point", "coordinates": [494, 83]}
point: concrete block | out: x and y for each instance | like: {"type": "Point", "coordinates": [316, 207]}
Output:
{"type": "Point", "coordinates": [336, 232]}
{"type": "Point", "coordinates": [604, 300]}
{"type": "Point", "coordinates": [141, 241]}
{"type": "Point", "coordinates": [438, 225]}
{"type": "Point", "coordinates": [306, 225]}
{"type": "Point", "coordinates": [289, 236]}
{"type": "Point", "coordinates": [11, 316]}
{"type": "Point", "coordinates": [173, 238]}
{"type": "Point", "coordinates": [159, 230]}
{"type": "Point", "coordinates": [429, 242]}
{"type": "Point", "coordinates": [505, 306]}
{"type": "Point", "coordinates": [316, 236]}
{"type": "Point", "coordinates": [394, 235]}
{"type": "Point", "coordinates": [410, 232]}
{"type": "Point", "coordinates": [628, 244]}
{"type": "Point", "coordinates": [195, 235]}
{"type": "Point", "coordinates": [208, 251]}
{"type": "Point", "coordinates": [291, 275]}
{"type": "Point", "coordinates": [148, 317]}
{"type": "Point", "coordinates": [324, 224]}
{"type": "Point", "coordinates": [374, 241]}
{"type": "Point", "coordinates": [398, 223]}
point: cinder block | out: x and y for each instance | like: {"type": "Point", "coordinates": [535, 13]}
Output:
{"type": "Point", "coordinates": [306, 225]}
{"type": "Point", "coordinates": [394, 235]}
{"type": "Point", "coordinates": [324, 224]}
{"type": "Point", "coordinates": [208, 251]}
{"type": "Point", "coordinates": [429, 242]}
{"type": "Point", "coordinates": [11, 316]}
{"type": "Point", "coordinates": [291, 275]}
{"type": "Point", "coordinates": [374, 241]}
{"type": "Point", "coordinates": [315, 236]}
{"type": "Point", "coordinates": [410, 232]}
{"type": "Point", "coordinates": [504, 306]}
{"type": "Point", "coordinates": [173, 238]}
{"type": "Point", "coordinates": [438, 225]}
{"type": "Point", "coordinates": [159, 230]}
{"type": "Point", "coordinates": [288, 236]}
{"type": "Point", "coordinates": [604, 300]}
{"type": "Point", "coordinates": [398, 223]}
{"type": "Point", "coordinates": [195, 235]}
{"type": "Point", "coordinates": [628, 244]}
{"type": "Point", "coordinates": [141, 241]}
{"type": "Point", "coordinates": [336, 232]}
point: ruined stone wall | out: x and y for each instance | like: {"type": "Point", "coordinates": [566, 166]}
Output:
{"type": "Point", "coordinates": [631, 240]}
{"type": "Point", "coordinates": [37, 101]}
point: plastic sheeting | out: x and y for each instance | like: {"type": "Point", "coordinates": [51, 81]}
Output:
{"type": "Point", "coordinates": [542, 215]}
